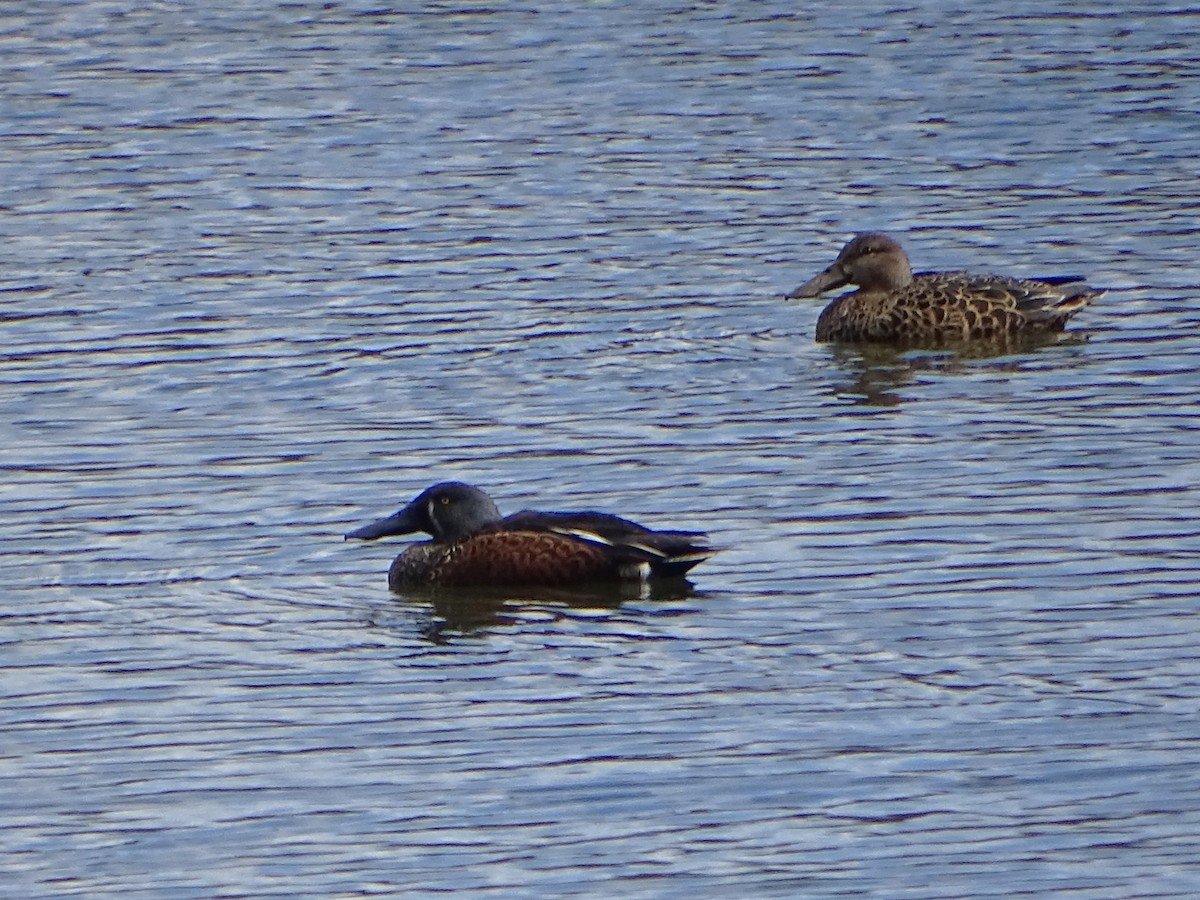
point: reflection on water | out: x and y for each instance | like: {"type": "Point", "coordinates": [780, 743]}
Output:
{"type": "Point", "coordinates": [269, 267]}
{"type": "Point", "coordinates": [876, 373]}
{"type": "Point", "coordinates": [447, 612]}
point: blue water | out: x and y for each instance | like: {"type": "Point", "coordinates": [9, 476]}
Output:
{"type": "Point", "coordinates": [269, 270]}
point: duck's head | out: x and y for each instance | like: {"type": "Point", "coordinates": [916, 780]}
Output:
{"type": "Point", "coordinates": [871, 261]}
{"type": "Point", "coordinates": [449, 511]}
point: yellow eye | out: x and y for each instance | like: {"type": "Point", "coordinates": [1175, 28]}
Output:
{"type": "Point", "coordinates": [445, 501]}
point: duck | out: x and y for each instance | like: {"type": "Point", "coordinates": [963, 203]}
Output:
{"type": "Point", "coordinates": [473, 545]}
{"type": "Point", "coordinates": [892, 305]}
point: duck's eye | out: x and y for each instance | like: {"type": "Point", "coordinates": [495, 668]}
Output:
{"type": "Point", "coordinates": [445, 501]}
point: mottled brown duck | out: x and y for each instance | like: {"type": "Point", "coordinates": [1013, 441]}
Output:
{"type": "Point", "coordinates": [474, 546]}
{"type": "Point", "coordinates": [892, 305]}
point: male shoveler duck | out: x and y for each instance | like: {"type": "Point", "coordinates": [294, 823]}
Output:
{"type": "Point", "coordinates": [892, 305]}
{"type": "Point", "coordinates": [474, 546]}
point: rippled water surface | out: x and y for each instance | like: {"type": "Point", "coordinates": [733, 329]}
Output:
{"type": "Point", "coordinates": [270, 269]}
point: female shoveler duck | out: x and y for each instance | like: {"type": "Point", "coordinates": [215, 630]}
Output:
{"type": "Point", "coordinates": [474, 546]}
{"type": "Point", "coordinates": [892, 305]}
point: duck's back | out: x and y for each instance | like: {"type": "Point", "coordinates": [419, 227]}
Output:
{"type": "Point", "coordinates": [625, 543]}
{"type": "Point", "coordinates": [550, 549]}
{"type": "Point", "coordinates": [499, 558]}
{"type": "Point", "coordinates": [949, 306]}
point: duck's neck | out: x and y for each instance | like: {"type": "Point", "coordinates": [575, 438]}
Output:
{"type": "Point", "coordinates": [893, 274]}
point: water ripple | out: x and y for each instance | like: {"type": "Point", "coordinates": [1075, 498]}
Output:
{"type": "Point", "coordinates": [269, 271]}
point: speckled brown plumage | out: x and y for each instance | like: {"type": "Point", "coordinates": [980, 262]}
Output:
{"type": "Point", "coordinates": [894, 306]}
{"type": "Point", "coordinates": [474, 546]}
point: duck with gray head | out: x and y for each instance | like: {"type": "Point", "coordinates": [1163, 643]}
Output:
{"type": "Point", "coordinates": [474, 546]}
{"type": "Point", "coordinates": [892, 305]}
